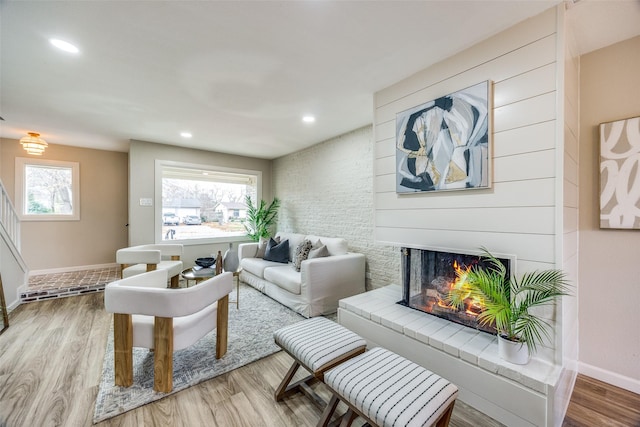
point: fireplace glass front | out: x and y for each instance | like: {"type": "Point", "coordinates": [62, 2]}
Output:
{"type": "Point", "coordinates": [429, 275]}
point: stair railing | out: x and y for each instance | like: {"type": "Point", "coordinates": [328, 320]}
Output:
{"type": "Point", "coordinates": [9, 218]}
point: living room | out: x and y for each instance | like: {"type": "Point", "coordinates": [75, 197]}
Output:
{"type": "Point", "coordinates": [342, 186]}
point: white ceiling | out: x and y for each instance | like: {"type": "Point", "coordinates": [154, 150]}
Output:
{"type": "Point", "coordinates": [239, 75]}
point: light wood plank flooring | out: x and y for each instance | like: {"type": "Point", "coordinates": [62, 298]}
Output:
{"type": "Point", "coordinates": [51, 360]}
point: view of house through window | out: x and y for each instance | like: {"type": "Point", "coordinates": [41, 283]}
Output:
{"type": "Point", "coordinates": [200, 204]}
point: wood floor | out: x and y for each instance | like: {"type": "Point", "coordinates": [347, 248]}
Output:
{"type": "Point", "coordinates": [51, 361]}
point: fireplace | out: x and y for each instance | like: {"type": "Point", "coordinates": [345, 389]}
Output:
{"type": "Point", "coordinates": [429, 276]}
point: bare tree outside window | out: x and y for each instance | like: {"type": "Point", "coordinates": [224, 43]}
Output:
{"type": "Point", "coordinates": [47, 190]}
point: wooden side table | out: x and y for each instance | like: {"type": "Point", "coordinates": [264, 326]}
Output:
{"type": "Point", "coordinates": [208, 273]}
{"type": "Point", "coordinates": [204, 274]}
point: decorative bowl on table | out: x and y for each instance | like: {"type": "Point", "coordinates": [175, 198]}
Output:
{"type": "Point", "coordinates": [205, 262]}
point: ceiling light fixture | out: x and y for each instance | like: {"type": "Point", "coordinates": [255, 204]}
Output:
{"type": "Point", "coordinates": [33, 144]}
{"type": "Point", "coordinates": [186, 134]}
{"type": "Point", "coordinates": [308, 119]}
{"type": "Point", "coordinates": [63, 45]}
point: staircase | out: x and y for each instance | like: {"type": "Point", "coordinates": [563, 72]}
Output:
{"type": "Point", "coordinates": [13, 267]}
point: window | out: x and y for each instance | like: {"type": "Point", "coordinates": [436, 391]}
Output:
{"type": "Point", "coordinates": [47, 190]}
{"type": "Point", "coordinates": [200, 202]}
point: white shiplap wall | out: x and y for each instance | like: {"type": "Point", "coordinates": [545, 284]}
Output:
{"type": "Point", "coordinates": [518, 214]}
{"type": "Point", "coordinates": [567, 313]}
{"type": "Point", "coordinates": [522, 213]}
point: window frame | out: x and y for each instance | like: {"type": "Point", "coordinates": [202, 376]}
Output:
{"type": "Point", "coordinates": [160, 164]}
{"type": "Point", "coordinates": [20, 172]}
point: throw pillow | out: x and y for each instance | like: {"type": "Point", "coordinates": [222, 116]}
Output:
{"type": "Point", "coordinates": [318, 251]}
{"type": "Point", "coordinates": [277, 252]}
{"type": "Point", "coordinates": [262, 246]}
{"type": "Point", "coordinates": [302, 252]}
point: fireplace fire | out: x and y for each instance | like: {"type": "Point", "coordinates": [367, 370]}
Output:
{"type": "Point", "coordinates": [430, 277]}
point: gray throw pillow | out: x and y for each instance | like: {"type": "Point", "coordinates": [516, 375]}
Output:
{"type": "Point", "coordinates": [262, 246]}
{"type": "Point", "coordinates": [277, 252]}
{"type": "Point", "coordinates": [302, 252]}
{"type": "Point", "coordinates": [319, 252]}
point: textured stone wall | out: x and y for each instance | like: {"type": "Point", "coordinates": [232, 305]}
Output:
{"type": "Point", "coordinates": [327, 190]}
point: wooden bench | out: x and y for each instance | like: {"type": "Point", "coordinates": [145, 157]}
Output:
{"type": "Point", "coordinates": [317, 344]}
{"type": "Point", "coordinates": [388, 390]}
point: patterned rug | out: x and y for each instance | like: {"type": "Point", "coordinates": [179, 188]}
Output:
{"type": "Point", "coordinates": [250, 338]}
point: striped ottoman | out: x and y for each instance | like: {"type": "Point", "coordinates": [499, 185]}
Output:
{"type": "Point", "coordinates": [389, 390]}
{"type": "Point", "coordinates": [318, 344]}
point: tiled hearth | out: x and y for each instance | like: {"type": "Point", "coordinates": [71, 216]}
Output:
{"type": "Point", "coordinates": [512, 394]}
{"type": "Point", "coordinates": [57, 285]}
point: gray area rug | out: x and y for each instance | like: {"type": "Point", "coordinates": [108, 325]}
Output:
{"type": "Point", "coordinates": [250, 338]}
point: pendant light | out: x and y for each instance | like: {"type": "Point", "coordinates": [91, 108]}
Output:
{"type": "Point", "coordinates": [33, 144]}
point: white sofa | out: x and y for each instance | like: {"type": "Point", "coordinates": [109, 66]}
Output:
{"type": "Point", "coordinates": [318, 286]}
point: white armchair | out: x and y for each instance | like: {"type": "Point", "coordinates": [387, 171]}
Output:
{"type": "Point", "coordinates": [150, 315]}
{"type": "Point", "coordinates": [140, 259]}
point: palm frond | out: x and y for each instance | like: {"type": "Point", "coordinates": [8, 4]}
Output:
{"type": "Point", "coordinates": [260, 218]}
{"type": "Point", "coordinates": [507, 301]}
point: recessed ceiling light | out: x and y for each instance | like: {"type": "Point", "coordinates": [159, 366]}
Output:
{"type": "Point", "coordinates": [63, 45]}
{"type": "Point", "coordinates": [308, 119]}
{"type": "Point", "coordinates": [186, 134]}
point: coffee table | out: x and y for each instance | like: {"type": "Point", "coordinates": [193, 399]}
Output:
{"type": "Point", "coordinates": [207, 273]}
{"type": "Point", "coordinates": [199, 275]}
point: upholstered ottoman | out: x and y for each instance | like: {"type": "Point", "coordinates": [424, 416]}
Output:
{"type": "Point", "coordinates": [318, 344]}
{"type": "Point", "coordinates": [389, 390]}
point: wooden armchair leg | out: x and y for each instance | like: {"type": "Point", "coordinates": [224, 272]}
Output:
{"type": "Point", "coordinates": [222, 326]}
{"type": "Point", "coordinates": [123, 349]}
{"type": "Point", "coordinates": [175, 282]}
{"type": "Point", "coordinates": [163, 358]}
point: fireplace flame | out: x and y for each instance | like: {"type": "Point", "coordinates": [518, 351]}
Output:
{"type": "Point", "coordinates": [460, 296]}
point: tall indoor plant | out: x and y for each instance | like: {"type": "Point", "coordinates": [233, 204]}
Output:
{"type": "Point", "coordinates": [508, 302]}
{"type": "Point", "coordinates": [260, 218]}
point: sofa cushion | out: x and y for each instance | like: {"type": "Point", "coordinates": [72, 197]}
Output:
{"type": "Point", "coordinates": [262, 245]}
{"type": "Point", "coordinates": [294, 240]}
{"type": "Point", "coordinates": [302, 253]}
{"type": "Point", "coordinates": [319, 251]}
{"type": "Point", "coordinates": [256, 266]}
{"type": "Point", "coordinates": [277, 252]}
{"type": "Point", "coordinates": [285, 277]}
{"type": "Point", "coordinates": [335, 245]}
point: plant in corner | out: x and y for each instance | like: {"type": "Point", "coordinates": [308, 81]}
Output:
{"type": "Point", "coordinates": [507, 303]}
{"type": "Point", "coordinates": [260, 218]}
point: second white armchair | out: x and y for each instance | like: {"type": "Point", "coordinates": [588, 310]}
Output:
{"type": "Point", "coordinates": [140, 259]}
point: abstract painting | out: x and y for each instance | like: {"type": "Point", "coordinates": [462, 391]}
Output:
{"type": "Point", "coordinates": [620, 174]}
{"type": "Point", "coordinates": [444, 144]}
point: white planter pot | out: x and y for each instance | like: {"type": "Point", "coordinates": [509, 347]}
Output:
{"type": "Point", "coordinates": [514, 352]}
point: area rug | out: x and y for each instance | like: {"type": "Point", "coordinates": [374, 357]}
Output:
{"type": "Point", "coordinates": [250, 338]}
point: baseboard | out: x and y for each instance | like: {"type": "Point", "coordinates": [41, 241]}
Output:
{"type": "Point", "coordinates": [609, 377]}
{"type": "Point", "coordinates": [67, 269]}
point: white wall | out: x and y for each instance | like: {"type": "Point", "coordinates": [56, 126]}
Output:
{"type": "Point", "coordinates": [327, 190]}
{"type": "Point", "coordinates": [609, 279]}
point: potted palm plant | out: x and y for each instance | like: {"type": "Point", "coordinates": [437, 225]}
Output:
{"type": "Point", "coordinates": [508, 302]}
{"type": "Point", "coordinates": [260, 218]}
